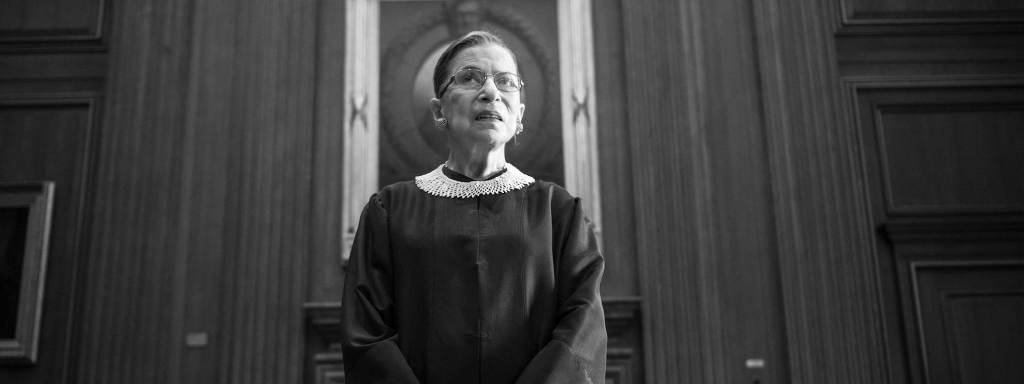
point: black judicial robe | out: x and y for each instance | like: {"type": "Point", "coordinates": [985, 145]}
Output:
{"type": "Point", "coordinates": [493, 289]}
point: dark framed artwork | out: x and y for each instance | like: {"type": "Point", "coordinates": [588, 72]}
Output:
{"type": "Point", "coordinates": [25, 213]}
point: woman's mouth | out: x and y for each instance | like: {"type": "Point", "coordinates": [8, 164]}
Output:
{"type": "Point", "coordinates": [488, 116]}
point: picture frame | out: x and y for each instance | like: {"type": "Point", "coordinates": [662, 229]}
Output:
{"type": "Point", "coordinates": [26, 211]}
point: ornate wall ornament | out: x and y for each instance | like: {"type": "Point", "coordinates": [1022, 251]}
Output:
{"type": "Point", "coordinates": [579, 128]}
{"type": "Point", "coordinates": [359, 178]}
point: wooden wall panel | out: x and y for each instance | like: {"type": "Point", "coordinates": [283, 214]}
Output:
{"type": "Point", "coordinates": [203, 212]}
{"type": "Point", "coordinates": [930, 11]}
{"type": "Point", "coordinates": [48, 137]}
{"type": "Point", "coordinates": [706, 249]}
{"type": "Point", "coordinates": [823, 233]}
{"type": "Point", "coordinates": [940, 150]}
{"type": "Point", "coordinates": [51, 21]}
{"type": "Point", "coordinates": [666, 162]}
{"type": "Point", "coordinates": [325, 264]}
{"type": "Point", "coordinates": [619, 228]}
{"type": "Point", "coordinates": [957, 295]}
{"type": "Point", "coordinates": [129, 309]}
{"type": "Point", "coordinates": [946, 150]}
{"type": "Point", "coordinates": [969, 320]}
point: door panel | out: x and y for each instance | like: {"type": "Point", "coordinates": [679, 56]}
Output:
{"type": "Point", "coordinates": [938, 109]}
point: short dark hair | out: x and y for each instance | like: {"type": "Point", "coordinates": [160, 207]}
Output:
{"type": "Point", "coordinates": [472, 39]}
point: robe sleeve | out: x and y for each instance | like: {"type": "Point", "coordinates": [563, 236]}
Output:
{"type": "Point", "coordinates": [579, 342]}
{"type": "Point", "coordinates": [369, 338]}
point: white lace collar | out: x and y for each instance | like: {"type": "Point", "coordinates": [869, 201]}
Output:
{"type": "Point", "coordinates": [438, 184]}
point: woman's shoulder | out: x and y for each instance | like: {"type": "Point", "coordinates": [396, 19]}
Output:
{"type": "Point", "coordinates": [397, 190]}
{"type": "Point", "coordinates": [558, 195]}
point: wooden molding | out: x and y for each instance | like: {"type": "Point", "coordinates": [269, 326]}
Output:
{"type": "Point", "coordinates": [875, 96]}
{"type": "Point", "coordinates": [926, 22]}
{"type": "Point", "coordinates": [91, 38]}
{"type": "Point", "coordinates": [37, 197]}
{"type": "Point", "coordinates": [922, 309]}
{"type": "Point", "coordinates": [985, 228]}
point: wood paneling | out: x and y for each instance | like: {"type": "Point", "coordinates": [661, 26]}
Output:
{"type": "Point", "coordinates": [619, 228]}
{"type": "Point", "coordinates": [930, 11]}
{"type": "Point", "coordinates": [702, 197]}
{"type": "Point", "coordinates": [940, 153]}
{"type": "Point", "coordinates": [934, 92]}
{"type": "Point", "coordinates": [664, 160]}
{"type": "Point", "coordinates": [946, 150]}
{"type": "Point", "coordinates": [969, 317]}
{"type": "Point", "coordinates": [203, 210]}
{"type": "Point", "coordinates": [48, 137]}
{"type": "Point", "coordinates": [31, 22]}
{"type": "Point", "coordinates": [957, 289]}
{"type": "Point", "coordinates": [822, 231]}
{"type": "Point", "coordinates": [325, 262]}
{"type": "Point", "coordinates": [625, 340]}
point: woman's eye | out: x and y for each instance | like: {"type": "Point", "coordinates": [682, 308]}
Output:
{"type": "Point", "coordinates": [468, 78]}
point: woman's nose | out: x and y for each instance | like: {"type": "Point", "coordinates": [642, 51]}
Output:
{"type": "Point", "coordinates": [489, 92]}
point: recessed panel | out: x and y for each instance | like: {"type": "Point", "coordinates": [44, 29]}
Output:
{"type": "Point", "coordinates": [42, 141]}
{"type": "Point", "coordinates": [969, 322]}
{"type": "Point", "coordinates": [954, 156]}
{"type": "Point", "coordinates": [936, 11]}
{"type": "Point", "coordinates": [985, 329]}
{"type": "Point", "coordinates": [44, 20]}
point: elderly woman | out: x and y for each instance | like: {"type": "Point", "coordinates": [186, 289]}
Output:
{"type": "Point", "coordinates": [474, 272]}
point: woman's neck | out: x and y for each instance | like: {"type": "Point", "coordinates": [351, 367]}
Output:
{"type": "Point", "coordinates": [477, 166]}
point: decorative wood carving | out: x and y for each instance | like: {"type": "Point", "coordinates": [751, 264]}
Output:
{"type": "Point", "coordinates": [361, 134]}
{"type": "Point", "coordinates": [35, 199]}
{"type": "Point", "coordinates": [579, 119]}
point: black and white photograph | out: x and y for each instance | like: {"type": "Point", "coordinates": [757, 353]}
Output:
{"type": "Point", "coordinates": [511, 192]}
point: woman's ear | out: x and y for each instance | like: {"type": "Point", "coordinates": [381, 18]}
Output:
{"type": "Point", "coordinates": [435, 109]}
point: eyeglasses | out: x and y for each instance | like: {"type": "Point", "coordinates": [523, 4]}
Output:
{"type": "Point", "coordinates": [473, 79]}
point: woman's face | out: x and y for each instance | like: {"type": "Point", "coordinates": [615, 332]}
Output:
{"type": "Point", "coordinates": [480, 116]}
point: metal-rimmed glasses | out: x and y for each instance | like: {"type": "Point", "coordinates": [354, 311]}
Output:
{"type": "Point", "coordinates": [473, 79]}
